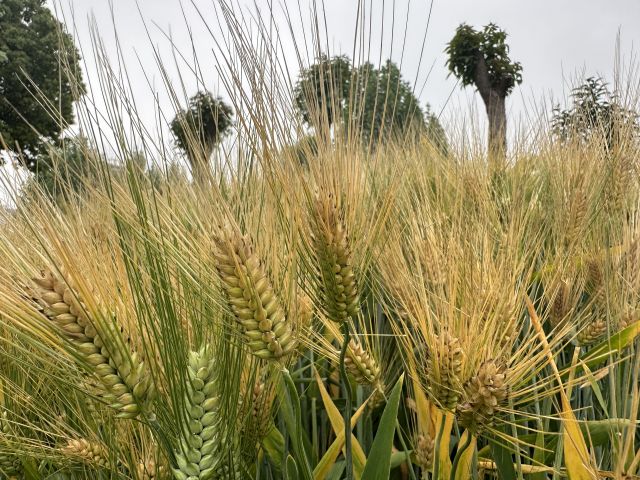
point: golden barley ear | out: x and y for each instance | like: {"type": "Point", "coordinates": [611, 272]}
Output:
{"type": "Point", "coordinates": [423, 452]}
{"type": "Point", "coordinates": [592, 330]}
{"type": "Point", "coordinates": [333, 260]}
{"type": "Point", "coordinates": [127, 385]}
{"type": "Point", "coordinates": [361, 365]}
{"type": "Point", "coordinates": [484, 393]}
{"type": "Point", "coordinates": [257, 308]}
{"type": "Point", "coordinates": [444, 367]}
{"type": "Point", "coordinates": [84, 451]}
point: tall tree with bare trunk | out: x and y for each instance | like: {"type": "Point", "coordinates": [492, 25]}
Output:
{"type": "Point", "coordinates": [481, 58]}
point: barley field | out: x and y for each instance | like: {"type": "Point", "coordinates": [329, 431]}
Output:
{"type": "Point", "coordinates": [401, 311]}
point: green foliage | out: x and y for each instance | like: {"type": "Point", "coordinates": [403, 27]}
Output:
{"type": "Point", "coordinates": [383, 104]}
{"type": "Point", "coordinates": [34, 47]}
{"type": "Point", "coordinates": [374, 104]}
{"type": "Point", "coordinates": [595, 111]}
{"type": "Point", "coordinates": [65, 168]}
{"type": "Point", "coordinates": [469, 47]}
{"type": "Point", "coordinates": [322, 91]}
{"type": "Point", "coordinates": [199, 128]}
{"type": "Point", "coordinates": [379, 462]}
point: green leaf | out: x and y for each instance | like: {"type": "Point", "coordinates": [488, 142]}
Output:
{"type": "Point", "coordinates": [612, 345]}
{"type": "Point", "coordinates": [292, 469]}
{"type": "Point", "coordinates": [290, 409]}
{"type": "Point", "coordinates": [378, 464]}
{"type": "Point", "coordinates": [504, 462]}
{"type": "Point", "coordinates": [273, 444]}
{"type": "Point", "coordinates": [398, 458]}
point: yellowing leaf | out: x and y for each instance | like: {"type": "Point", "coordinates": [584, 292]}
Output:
{"type": "Point", "coordinates": [337, 423]}
{"type": "Point", "coordinates": [576, 455]}
{"type": "Point", "coordinates": [463, 472]}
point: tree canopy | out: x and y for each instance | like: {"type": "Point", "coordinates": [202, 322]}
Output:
{"type": "Point", "coordinates": [374, 103]}
{"type": "Point", "coordinates": [469, 48]}
{"type": "Point", "coordinates": [595, 111]}
{"type": "Point", "coordinates": [481, 58]}
{"type": "Point", "coordinates": [36, 55]}
{"type": "Point", "coordinates": [198, 129]}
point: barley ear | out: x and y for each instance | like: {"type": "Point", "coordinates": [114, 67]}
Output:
{"type": "Point", "coordinates": [361, 365]}
{"type": "Point", "coordinates": [198, 456]}
{"type": "Point", "coordinates": [484, 393]}
{"type": "Point", "coordinates": [257, 308]}
{"type": "Point", "coordinates": [444, 367]}
{"type": "Point", "coordinates": [127, 385]}
{"type": "Point", "coordinates": [423, 453]}
{"type": "Point", "coordinates": [10, 465]}
{"type": "Point", "coordinates": [338, 290]}
{"type": "Point", "coordinates": [89, 453]}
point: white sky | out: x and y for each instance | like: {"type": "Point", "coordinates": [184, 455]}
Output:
{"type": "Point", "coordinates": [556, 42]}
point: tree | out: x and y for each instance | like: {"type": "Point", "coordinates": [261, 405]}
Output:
{"type": "Point", "coordinates": [596, 113]}
{"type": "Point", "coordinates": [481, 58]}
{"type": "Point", "coordinates": [200, 128]}
{"type": "Point", "coordinates": [36, 54]}
{"type": "Point", "coordinates": [65, 168]}
{"type": "Point", "coordinates": [372, 104]}
{"type": "Point", "coordinates": [383, 104]}
{"type": "Point", "coordinates": [322, 91]}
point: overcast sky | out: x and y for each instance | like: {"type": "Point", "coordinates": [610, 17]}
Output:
{"type": "Point", "coordinates": [554, 40]}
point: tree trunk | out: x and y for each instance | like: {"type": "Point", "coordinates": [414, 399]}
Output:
{"type": "Point", "coordinates": [494, 102]}
{"type": "Point", "coordinates": [497, 113]}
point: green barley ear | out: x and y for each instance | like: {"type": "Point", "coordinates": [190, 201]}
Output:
{"type": "Point", "coordinates": [423, 453]}
{"type": "Point", "coordinates": [444, 367]}
{"type": "Point", "coordinates": [257, 309]}
{"type": "Point", "coordinates": [484, 392]}
{"type": "Point", "coordinates": [83, 451]}
{"type": "Point", "coordinates": [198, 454]}
{"type": "Point", "coordinates": [10, 465]}
{"type": "Point", "coordinates": [127, 384]}
{"type": "Point", "coordinates": [338, 289]}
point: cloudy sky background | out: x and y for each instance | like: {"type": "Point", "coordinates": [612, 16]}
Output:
{"type": "Point", "coordinates": [558, 42]}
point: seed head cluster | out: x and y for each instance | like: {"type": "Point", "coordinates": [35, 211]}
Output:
{"type": "Point", "coordinates": [198, 454]}
{"type": "Point", "coordinates": [338, 290]}
{"type": "Point", "coordinates": [483, 394]}
{"type": "Point", "coordinates": [257, 308]}
{"type": "Point", "coordinates": [127, 385]}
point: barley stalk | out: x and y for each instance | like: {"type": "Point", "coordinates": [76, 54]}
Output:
{"type": "Point", "coordinates": [127, 384]}
{"type": "Point", "coordinates": [258, 310]}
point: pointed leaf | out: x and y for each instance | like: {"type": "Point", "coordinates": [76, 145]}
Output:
{"type": "Point", "coordinates": [337, 423]}
{"type": "Point", "coordinates": [326, 463]}
{"type": "Point", "coordinates": [379, 462]}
